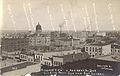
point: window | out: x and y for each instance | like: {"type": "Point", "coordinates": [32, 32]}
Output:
{"type": "Point", "coordinates": [95, 53]}
{"type": "Point", "coordinates": [54, 62]}
{"type": "Point", "coordinates": [90, 48]}
{"type": "Point", "coordinates": [36, 56]}
{"type": "Point", "coordinates": [49, 64]}
{"type": "Point", "coordinates": [93, 49]}
{"type": "Point", "coordinates": [96, 49]}
{"type": "Point", "coordinates": [60, 63]}
{"type": "Point", "coordinates": [21, 56]}
{"type": "Point", "coordinates": [57, 63]}
{"type": "Point", "coordinates": [28, 59]}
{"type": "Point", "coordinates": [25, 57]}
{"type": "Point", "coordinates": [41, 58]}
{"type": "Point", "coordinates": [111, 50]}
{"type": "Point", "coordinates": [86, 48]}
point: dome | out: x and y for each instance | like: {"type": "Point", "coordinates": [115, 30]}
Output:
{"type": "Point", "coordinates": [38, 27]}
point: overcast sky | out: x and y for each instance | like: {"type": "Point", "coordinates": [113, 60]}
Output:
{"type": "Point", "coordinates": [106, 13]}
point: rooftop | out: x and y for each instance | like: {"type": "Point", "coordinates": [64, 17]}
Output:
{"type": "Point", "coordinates": [58, 56]}
{"type": "Point", "coordinates": [99, 44]}
{"type": "Point", "coordinates": [69, 54]}
{"type": "Point", "coordinates": [116, 46]}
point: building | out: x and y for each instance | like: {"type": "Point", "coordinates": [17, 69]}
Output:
{"type": "Point", "coordinates": [95, 50]}
{"type": "Point", "coordinates": [60, 60]}
{"type": "Point", "coordinates": [38, 57]}
{"type": "Point", "coordinates": [54, 35]}
{"type": "Point", "coordinates": [115, 49]}
{"type": "Point", "coordinates": [64, 41]}
{"type": "Point", "coordinates": [38, 28]}
{"type": "Point", "coordinates": [27, 57]}
{"type": "Point", "coordinates": [30, 56]}
{"type": "Point", "coordinates": [14, 44]}
{"type": "Point", "coordinates": [101, 33]}
{"type": "Point", "coordinates": [38, 40]}
{"type": "Point", "coordinates": [47, 61]}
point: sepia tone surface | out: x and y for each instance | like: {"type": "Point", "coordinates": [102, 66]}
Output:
{"type": "Point", "coordinates": [60, 38]}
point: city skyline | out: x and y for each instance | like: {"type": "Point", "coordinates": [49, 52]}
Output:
{"type": "Point", "coordinates": [77, 15]}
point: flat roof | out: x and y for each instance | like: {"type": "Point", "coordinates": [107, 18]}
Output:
{"type": "Point", "coordinates": [99, 44]}
{"type": "Point", "coordinates": [58, 56]}
{"type": "Point", "coordinates": [116, 46]}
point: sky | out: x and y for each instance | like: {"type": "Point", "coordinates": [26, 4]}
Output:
{"type": "Point", "coordinates": [73, 15]}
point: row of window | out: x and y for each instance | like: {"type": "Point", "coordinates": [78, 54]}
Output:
{"type": "Point", "coordinates": [30, 59]}
{"type": "Point", "coordinates": [116, 51]}
{"type": "Point", "coordinates": [47, 63]}
{"type": "Point", "coordinates": [40, 57]}
{"type": "Point", "coordinates": [94, 54]}
{"type": "Point", "coordinates": [57, 63]}
{"type": "Point", "coordinates": [94, 49]}
{"type": "Point", "coordinates": [23, 56]}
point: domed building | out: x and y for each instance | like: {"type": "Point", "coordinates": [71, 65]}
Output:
{"type": "Point", "coordinates": [39, 40]}
{"type": "Point", "coordinates": [38, 28]}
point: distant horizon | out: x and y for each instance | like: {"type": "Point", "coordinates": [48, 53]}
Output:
{"type": "Point", "coordinates": [66, 30]}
